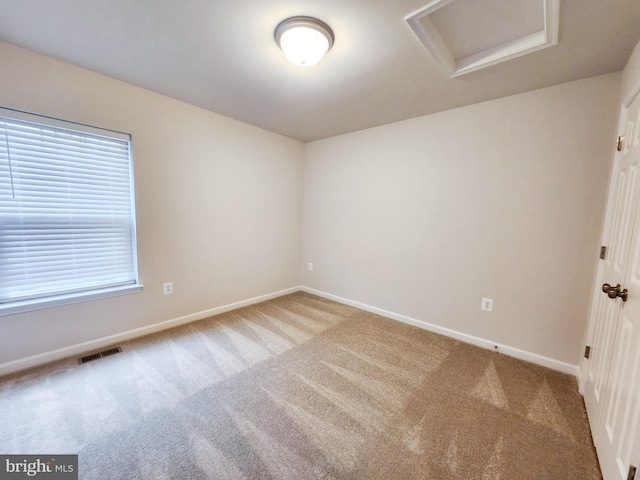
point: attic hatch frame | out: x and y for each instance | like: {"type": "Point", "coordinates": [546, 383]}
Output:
{"type": "Point", "coordinates": [430, 37]}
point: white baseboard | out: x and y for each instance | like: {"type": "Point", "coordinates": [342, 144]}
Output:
{"type": "Point", "coordinates": [480, 342]}
{"type": "Point", "coordinates": [80, 348]}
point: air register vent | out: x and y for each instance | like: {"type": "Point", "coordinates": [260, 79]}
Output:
{"type": "Point", "coordinates": [96, 356]}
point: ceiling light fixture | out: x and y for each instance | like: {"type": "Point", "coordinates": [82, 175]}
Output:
{"type": "Point", "coordinates": [304, 40]}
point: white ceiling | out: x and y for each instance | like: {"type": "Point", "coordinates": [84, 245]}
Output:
{"type": "Point", "coordinates": [220, 54]}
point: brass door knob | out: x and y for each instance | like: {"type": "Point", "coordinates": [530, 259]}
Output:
{"type": "Point", "coordinates": [609, 290]}
{"type": "Point", "coordinates": [613, 292]}
{"type": "Point", "coordinates": [624, 294]}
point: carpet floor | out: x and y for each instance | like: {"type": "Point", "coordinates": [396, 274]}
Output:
{"type": "Point", "coordinates": [301, 387]}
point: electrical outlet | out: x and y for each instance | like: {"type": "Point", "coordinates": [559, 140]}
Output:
{"type": "Point", "coordinates": [487, 304]}
{"type": "Point", "coordinates": [167, 288]}
{"type": "Point", "coordinates": [310, 266]}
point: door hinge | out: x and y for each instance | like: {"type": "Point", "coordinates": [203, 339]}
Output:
{"type": "Point", "coordinates": [587, 351]}
{"type": "Point", "coordinates": [619, 144]}
{"type": "Point", "coordinates": [603, 252]}
{"type": "Point", "coordinates": [632, 473]}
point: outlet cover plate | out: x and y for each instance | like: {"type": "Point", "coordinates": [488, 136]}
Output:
{"type": "Point", "coordinates": [487, 304]}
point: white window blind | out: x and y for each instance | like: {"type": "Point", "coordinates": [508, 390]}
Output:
{"type": "Point", "coordinates": [67, 221]}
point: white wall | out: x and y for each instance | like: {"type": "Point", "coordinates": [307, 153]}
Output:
{"type": "Point", "coordinates": [502, 199]}
{"type": "Point", "coordinates": [218, 204]}
{"type": "Point", "coordinates": [423, 217]}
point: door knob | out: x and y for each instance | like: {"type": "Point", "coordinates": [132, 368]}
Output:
{"type": "Point", "coordinates": [624, 294]}
{"type": "Point", "coordinates": [613, 292]}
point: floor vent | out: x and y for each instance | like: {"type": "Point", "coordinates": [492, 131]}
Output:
{"type": "Point", "coordinates": [96, 356]}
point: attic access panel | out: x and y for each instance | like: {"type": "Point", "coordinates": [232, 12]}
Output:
{"type": "Point", "coordinates": [467, 35]}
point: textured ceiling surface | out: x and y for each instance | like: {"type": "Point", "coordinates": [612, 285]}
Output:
{"type": "Point", "coordinates": [220, 55]}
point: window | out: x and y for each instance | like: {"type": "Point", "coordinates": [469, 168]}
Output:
{"type": "Point", "coordinates": [67, 219]}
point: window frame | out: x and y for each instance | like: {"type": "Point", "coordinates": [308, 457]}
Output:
{"type": "Point", "coordinates": [11, 307]}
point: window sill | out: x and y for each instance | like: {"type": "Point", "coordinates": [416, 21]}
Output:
{"type": "Point", "coordinates": [41, 303]}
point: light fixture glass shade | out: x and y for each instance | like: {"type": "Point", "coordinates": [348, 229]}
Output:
{"type": "Point", "coordinates": [304, 40]}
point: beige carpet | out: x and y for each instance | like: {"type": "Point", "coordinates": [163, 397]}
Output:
{"type": "Point", "coordinates": [301, 387]}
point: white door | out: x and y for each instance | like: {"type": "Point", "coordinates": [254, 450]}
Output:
{"type": "Point", "coordinates": [602, 329]}
{"type": "Point", "coordinates": [617, 439]}
{"type": "Point", "coordinates": [612, 385]}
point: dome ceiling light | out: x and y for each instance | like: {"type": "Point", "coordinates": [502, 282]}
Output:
{"type": "Point", "coordinates": [304, 40]}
